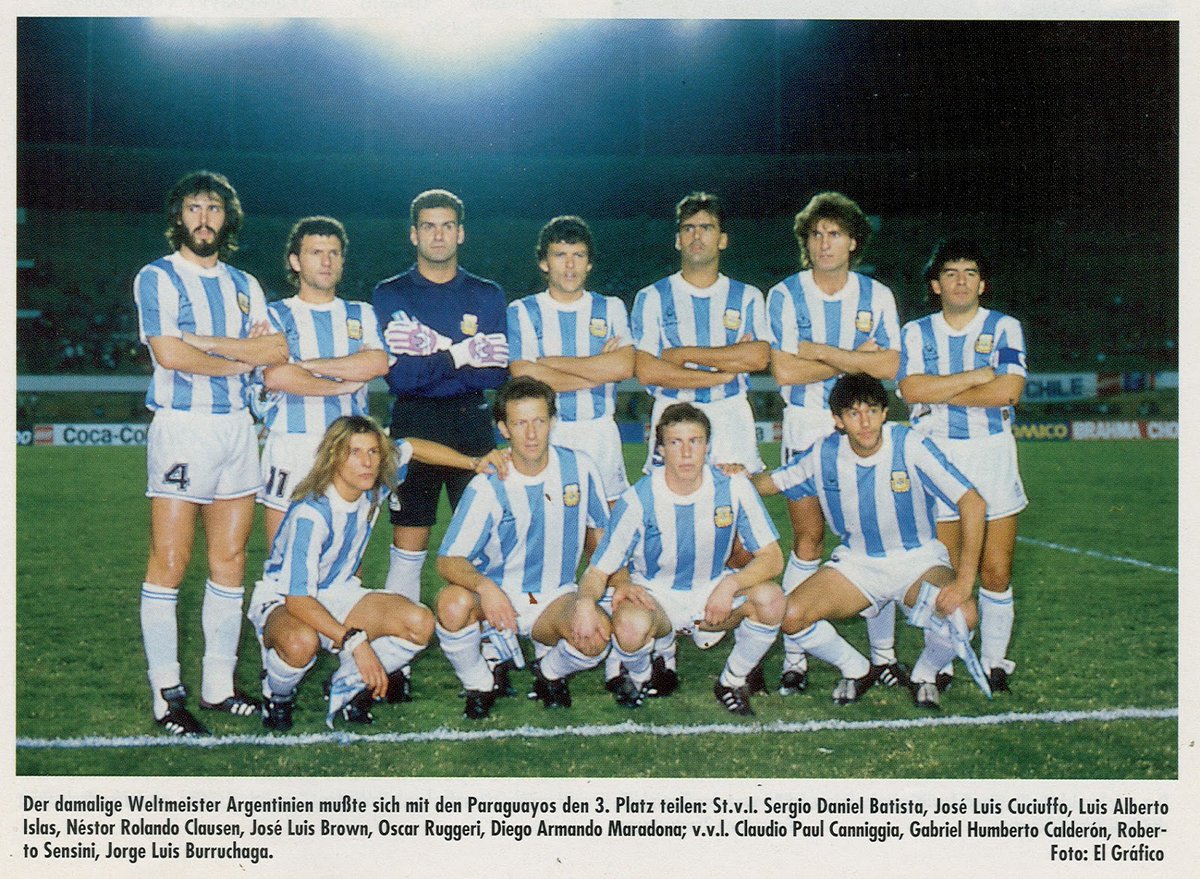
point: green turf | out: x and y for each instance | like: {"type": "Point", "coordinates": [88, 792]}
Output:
{"type": "Point", "coordinates": [1091, 634]}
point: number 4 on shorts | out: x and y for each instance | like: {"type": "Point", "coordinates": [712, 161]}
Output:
{"type": "Point", "coordinates": [177, 476]}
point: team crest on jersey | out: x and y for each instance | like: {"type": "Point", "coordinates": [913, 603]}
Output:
{"type": "Point", "coordinates": [723, 516]}
{"type": "Point", "coordinates": [243, 302]}
{"type": "Point", "coordinates": [470, 324]}
{"type": "Point", "coordinates": [733, 319]}
{"type": "Point", "coordinates": [571, 494]}
{"type": "Point", "coordinates": [984, 344]}
{"type": "Point", "coordinates": [598, 327]}
{"type": "Point", "coordinates": [353, 328]}
{"type": "Point", "coordinates": [863, 321]}
{"type": "Point", "coordinates": [900, 483]}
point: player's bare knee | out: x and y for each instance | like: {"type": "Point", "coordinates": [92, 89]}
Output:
{"type": "Point", "coordinates": [297, 646]}
{"type": "Point", "coordinates": [767, 604]}
{"type": "Point", "coordinates": [631, 626]}
{"type": "Point", "coordinates": [454, 604]}
{"type": "Point", "coordinates": [995, 575]}
{"type": "Point", "coordinates": [797, 616]}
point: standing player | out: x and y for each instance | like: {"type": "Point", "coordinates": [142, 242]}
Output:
{"type": "Point", "coordinates": [310, 596]}
{"type": "Point", "coordinates": [510, 554]}
{"type": "Point", "coordinates": [334, 346]}
{"type": "Point", "coordinates": [578, 343]}
{"type": "Point", "coordinates": [876, 483]}
{"type": "Point", "coordinates": [963, 370]}
{"type": "Point", "coordinates": [204, 323]}
{"type": "Point", "coordinates": [447, 328]}
{"type": "Point", "coordinates": [675, 529]}
{"type": "Point", "coordinates": [699, 334]}
{"type": "Point", "coordinates": [827, 321]}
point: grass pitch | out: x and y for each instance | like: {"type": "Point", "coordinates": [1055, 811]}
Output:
{"type": "Point", "coordinates": [1094, 633]}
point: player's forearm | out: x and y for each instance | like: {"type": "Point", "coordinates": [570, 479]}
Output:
{"type": "Point", "coordinates": [561, 382]}
{"type": "Point", "coordinates": [882, 364]}
{"type": "Point", "coordinates": [789, 369]}
{"type": "Point", "coordinates": [291, 378]}
{"type": "Point", "coordinates": [308, 610]}
{"type": "Point", "coordinates": [361, 366]}
{"type": "Point", "coordinates": [767, 564]}
{"type": "Point", "coordinates": [764, 484]}
{"type": "Point", "coordinates": [615, 366]}
{"type": "Point", "coordinates": [748, 356]}
{"type": "Point", "coordinates": [592, 584]}
{"type": "Point", "coordinates": [651, 370]}
{"type": "Point", "coordinates": [1003, 390]}
{"type": "Point", "coordinates": [267, 350]}
{"type": "Point", "coordinates": [459, 571]}
{"type": "Point", "coordinates": [176, 354]}
{"type": "Point", "coordinates": [429, 452]}
{"type": "Point", "coordinates": [941, 388]}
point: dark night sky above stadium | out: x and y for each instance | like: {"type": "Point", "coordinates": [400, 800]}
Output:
{"type": "Point", "coordinates": [603, 87]}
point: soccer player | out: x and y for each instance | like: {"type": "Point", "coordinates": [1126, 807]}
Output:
{"type": "Point", "coordinates": [699, 334]}
{"type": "Point", "coordinates": [962, 372]}
{"type": "Point", "coordinates": [578, 343]}
{"type": "Point", "coordinates": [675, 529]}
{"type": "Point", "coordinates": [205, 324]}
{"type": "Point", "coordinates": [335, 348]}
{"type": "Point", "coordinates": [310, 596]}
{"type": "Point", "coordinates": [876, 484]}
{"type": "Point", "coordinates": [446, 327]}
{"type": "Point", "coordinates": [510, 554]}
{"type": "Point", "coordinates": [826, 321]}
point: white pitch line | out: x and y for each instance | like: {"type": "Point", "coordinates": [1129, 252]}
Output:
{"type": "Point", "coordinates": [626, 728]}
{"type": "Point", "coordinates": [1096, 554]}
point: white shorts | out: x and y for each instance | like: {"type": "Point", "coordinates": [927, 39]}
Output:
{"type": "Point", "coordinates": [802, 426]}
{"type": "Point", "coordinates": [887, 579]}
{"type": "Point", "coordinates": [200, 457]}
{"type": "Point", "coordinates": [734, 440]}
{"type": "Point", "coordinates": [685, 607]}
{"type": "Point", "coordinates": [339, 600]}
{"type": "Point", "coordinates": [600, 439]}
{"type": "Point", "coordinates": [529, 605]}
{"type": "Point", "coordinates": [286, 459]}
{"type": "Point", "coordinates": [990, 462]}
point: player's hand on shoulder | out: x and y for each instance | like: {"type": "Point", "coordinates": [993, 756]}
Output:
{"type": "Point", "coordinates": [731, 468]}
{"type": "Point", "coordinates": [496, 461]}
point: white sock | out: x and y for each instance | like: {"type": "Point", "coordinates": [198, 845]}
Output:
{"type": "Point", "coordinates": [404, 573]}
{"type": "Point", "coordinates": [995, 628]}
{"type": "Point", "coordinates": [612, 662]}
{"type": "Point", "coordinates": [881, 632]}
{"type": "Point", "coordinates": [282, 679]}
{"type": "Point", "coordinates": [797, 571]}
{"type": "Point", "coordinates": [462, 650]}
{"type": "Point", "coordinates": [160, 637]}
{"type": "Point", "coordinates": [665, 647]}
{"type": "Point", "coordinates": [565, 659]}
{"type": "Point", "coordinates": [636, 662]}
{"type": "Point", "coordinates": [539, 650]}
{"type": "Point", "coordinates": [751, 641]}
{"type": "Point", "coordinates": [221, 618]}
{"type": "Point", "coordinates": [938, 652]}
{"type": "Point", "coordinates": [823, 641]}
{"type": "Point", "coordinates": [394, 651]}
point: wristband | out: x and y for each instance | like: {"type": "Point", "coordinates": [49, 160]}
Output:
{"type": "Point", "coordinates": [352, 640]}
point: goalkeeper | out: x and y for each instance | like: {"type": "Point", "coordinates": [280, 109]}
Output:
{"type": "Point", "coordinates": [447, 329]}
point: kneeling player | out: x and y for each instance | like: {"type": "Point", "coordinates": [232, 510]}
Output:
{"type": "Point", "coordinates": [510, 554]}
{"type": "Point", "coordinates": [676, 530]}
{"type": "Point", "coordinates": [876, 483]}
{"type": "Point", "coordinates": [310, 597]}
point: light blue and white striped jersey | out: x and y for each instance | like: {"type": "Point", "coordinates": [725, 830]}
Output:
{"type": "Point", "coordinates": [321, 540]}
{"type": "Point", "coordinates": [672, 541]}
{"type": "Point", "coordinates": [174, 295]}
{"type": "Point", "coordinates": [671, 313]}
{"type": "Point", "coordinates": [797, 311]}
{"type": "Point", "coordinates": [540, 326]}
{"type": "Point", "coordinates": [525, 533]}
{"type": "Point", "coordinates": [334, 329]}
{"type": "Point", "coordinates": [930, 346]}
{"type": "Point", "coordinates": [881, 504]}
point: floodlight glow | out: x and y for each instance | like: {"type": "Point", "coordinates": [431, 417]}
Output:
{"type": "Point", "coordinates": [464, 41]}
